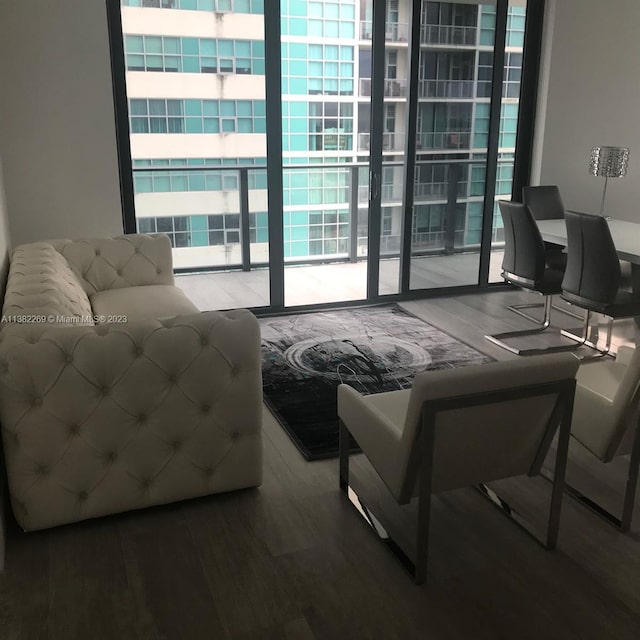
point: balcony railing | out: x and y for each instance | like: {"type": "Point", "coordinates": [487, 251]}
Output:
{"type": "Point", "coordinates": [445, 88]}
{"type": "Point", "coordinates": [444, 140]}
{"type": "Point", "coordinates": [390, 141]}
{"type": "Point", "coordinates": [228, 234]}
{"type": "Point", "coordinates": [393, 31]}
{"type": "Point", "coordinates": [392, 88]}
{"type": "Point", "coordinates": [448, 34]}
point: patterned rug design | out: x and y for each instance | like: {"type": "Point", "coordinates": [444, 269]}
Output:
{"type": "Point", "coordinates": [306, 356]}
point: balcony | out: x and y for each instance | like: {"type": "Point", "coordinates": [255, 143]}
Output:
{"type": "Point", "coordinates": [392, 88]}
{"type": "Point", "coordinates": [390, 141]}
{"type": "Point", "coordinates": [393, 31]}
{"type": "Point", "coordinates": [227, 228]}
{"type": "Point", "coordinates": [448, 34]}
{"type": "Point", "coordinates": [445, 88]}
{"type": "Point", "coordinates": [444, 140]}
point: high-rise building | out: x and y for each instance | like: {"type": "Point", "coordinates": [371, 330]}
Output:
{"type": "Point", "coordinates": [196, 89]}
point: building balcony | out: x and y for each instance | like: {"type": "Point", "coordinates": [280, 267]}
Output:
{"type": "Point", "coordinates": [448, 34]}
{"type": "Point", "coordinates": [392, 88]}
{"type": "Point", "coordinates": [445, 89]}
{"type": "Point", "coordinates": [393, 31]}
{"type": "Point", "coordinates": [390, 141]}
{"type": "Point", "coordinates": [444, 140]}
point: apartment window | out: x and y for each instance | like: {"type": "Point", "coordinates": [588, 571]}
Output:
{"type": "Point", "coordinates": [317, 69]}
{"type": "Point", "coordinates": [516, 19]}
{"type": "Point", "coordinates": [235, 6]}
{"type": "Point", "coordinates": [485, 73]}
{"type": "Point", "coordinates": [481, 125]}
{"type": "Point", "coordinates": [194, 55]}
{"type": "Point", "coordinates": [178, 228]}
{"type": "Point", "coordinates": [512, 75]}
{"type": "Point", "coordinates": [327, 19]}
{"type": "Point", "coordinates": [197, 116]}
{"type": "Point", "coordinates": [328, 232]}
{"type": "Point", "coordinates": [315, 187]}
{"type": "Point", "coordinates": [508, 125]}
{"type": "Point", "coordinates": [330, 126]}
{"type": "Point", "coordinates": [487, 25]}
{"type": "Point", "coordinates": [178, 180]}
{"type": "Point", "coordinates": [259, 227]}
{"type": "Point", "coordinates": [205, 230]}
{"type": "Point", "coordinates": [224, 229]}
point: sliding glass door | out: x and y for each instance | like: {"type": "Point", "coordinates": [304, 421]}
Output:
{"type": "Point", "coordinates": [325, 151]}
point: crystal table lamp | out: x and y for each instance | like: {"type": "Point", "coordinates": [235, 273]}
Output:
{"type": "Point", "coordinates": [610, 162]}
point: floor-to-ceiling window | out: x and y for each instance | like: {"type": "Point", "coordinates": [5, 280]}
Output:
{"type": "Point", "coordinates": [394, 141]}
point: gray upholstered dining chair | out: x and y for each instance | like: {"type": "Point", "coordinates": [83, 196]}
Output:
{"type": "Point", "coordinates": [525, 264]}
{"type": "Point", "coordinates": [459, 428]}
{"type": "Point", "coordinates": [606, 421]}
{"type": "Point", "coordinates": [545, 203]}
{"type": "Point", "coordinates": [593, 278]}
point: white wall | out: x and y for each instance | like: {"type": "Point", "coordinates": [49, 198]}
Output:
{"type": "Point", "coordinates": [593, 99]}
{"type": "Point", "coordinates": [57, 131]}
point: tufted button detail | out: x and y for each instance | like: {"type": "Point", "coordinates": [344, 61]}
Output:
{"type": "Point", "coordinates": [234, 371]}
{"type": "Point", "coordinates": [69, 359]}
{"type": "Point", "coordinates": [5, 367]}
{"type": "Point", "coordinates": [176, 445]}
{"type": "Point", "coordinates": [173, 378]}
{"type": "Point", "coordinates": [208, 472]}
{"type": "Point", "coordinates": [206, 408]}
{"type": "Point", "coordinates": [43, 469]}
{"type": "Point", "coordinates": [158, 271]}
{"type": "Point", "coordinates": [142, 418]}
{"type": "Point", "coordinates": [112, 456]}
{"type": "Point", "coordinates": [36, 402]}
{"type": "Point", "coordinates": [146, 483]}
{"type": "Point", "coordinates": [97, 252]}
{"type": "Point", "coordinates": [139, 351]}
{"type": "Point", "coordinates": [204, 341]}
{"type": "Point", "coordinates": [82, 496]}
{"type": "Point", "coordinates": [105, 390]}
{"type": "Point", "coordinates": [137, 250]}
{"type": "Point", "coordinates": [235, 435]}
{"type": "Point", "coordinates": [74, 429]}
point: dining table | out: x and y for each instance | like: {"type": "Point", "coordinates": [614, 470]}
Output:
{"type": "Point", "coordinates": [625, 235]}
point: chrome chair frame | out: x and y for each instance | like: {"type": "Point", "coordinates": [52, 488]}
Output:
{"type": "Point", "coordinates": [560, 420]}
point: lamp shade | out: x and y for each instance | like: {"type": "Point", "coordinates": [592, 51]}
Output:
{"type": "Point", "coordinates": [609, 162]}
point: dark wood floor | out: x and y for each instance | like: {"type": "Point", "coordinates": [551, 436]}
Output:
{"type": "Point", "coordinates": [292, 560]}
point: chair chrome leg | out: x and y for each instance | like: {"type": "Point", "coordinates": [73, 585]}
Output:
{"type": "Point", "coordinates": [624, 523]}
{"type": "Point", "coordinates": [518, 309]}
{"type": "Point", "coordinates": [583, 339]}
{"type": "Point", "coordinates": [367, 515]}
{"type": "Point", "coordinates": [499, 338]}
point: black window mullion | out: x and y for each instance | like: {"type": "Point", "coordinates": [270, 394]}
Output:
{"type": "Point", "coordinates": [493, 139]}
{"type": "Point", "coordinates": [410, 149]}
{"type": "Point", "coordinates": [121, 108]}
{"type": "Point", "coordinates": [528, 96]}
{"type": "Point", "coordinates": [375, 148]}
{"type": "Point", "coordinates": [273, 85]}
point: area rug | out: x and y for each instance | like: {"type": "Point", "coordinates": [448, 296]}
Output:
{"type": "Point", "coordinates": [306, 356]}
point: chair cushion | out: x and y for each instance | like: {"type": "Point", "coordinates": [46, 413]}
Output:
{"type": "Point", "coordinates": [137, 303]}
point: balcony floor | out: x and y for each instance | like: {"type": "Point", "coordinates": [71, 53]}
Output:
{"type": "Point", "coordinates": [326, 283]}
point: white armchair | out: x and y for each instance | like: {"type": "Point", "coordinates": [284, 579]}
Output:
{"type": "Point", "coordinates": [607, 421]}
{"type": "Point", "coordinates": [458, 428]}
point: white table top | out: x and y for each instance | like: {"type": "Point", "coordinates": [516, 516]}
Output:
{"type": "Point", "coordinates": [626, 236]}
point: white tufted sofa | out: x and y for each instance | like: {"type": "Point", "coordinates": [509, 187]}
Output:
{"type": "Point", "coordinates": [162, 403]}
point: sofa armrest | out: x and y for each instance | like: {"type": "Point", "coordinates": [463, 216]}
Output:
{"type": "Point", "coordinates": [136, 410]}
